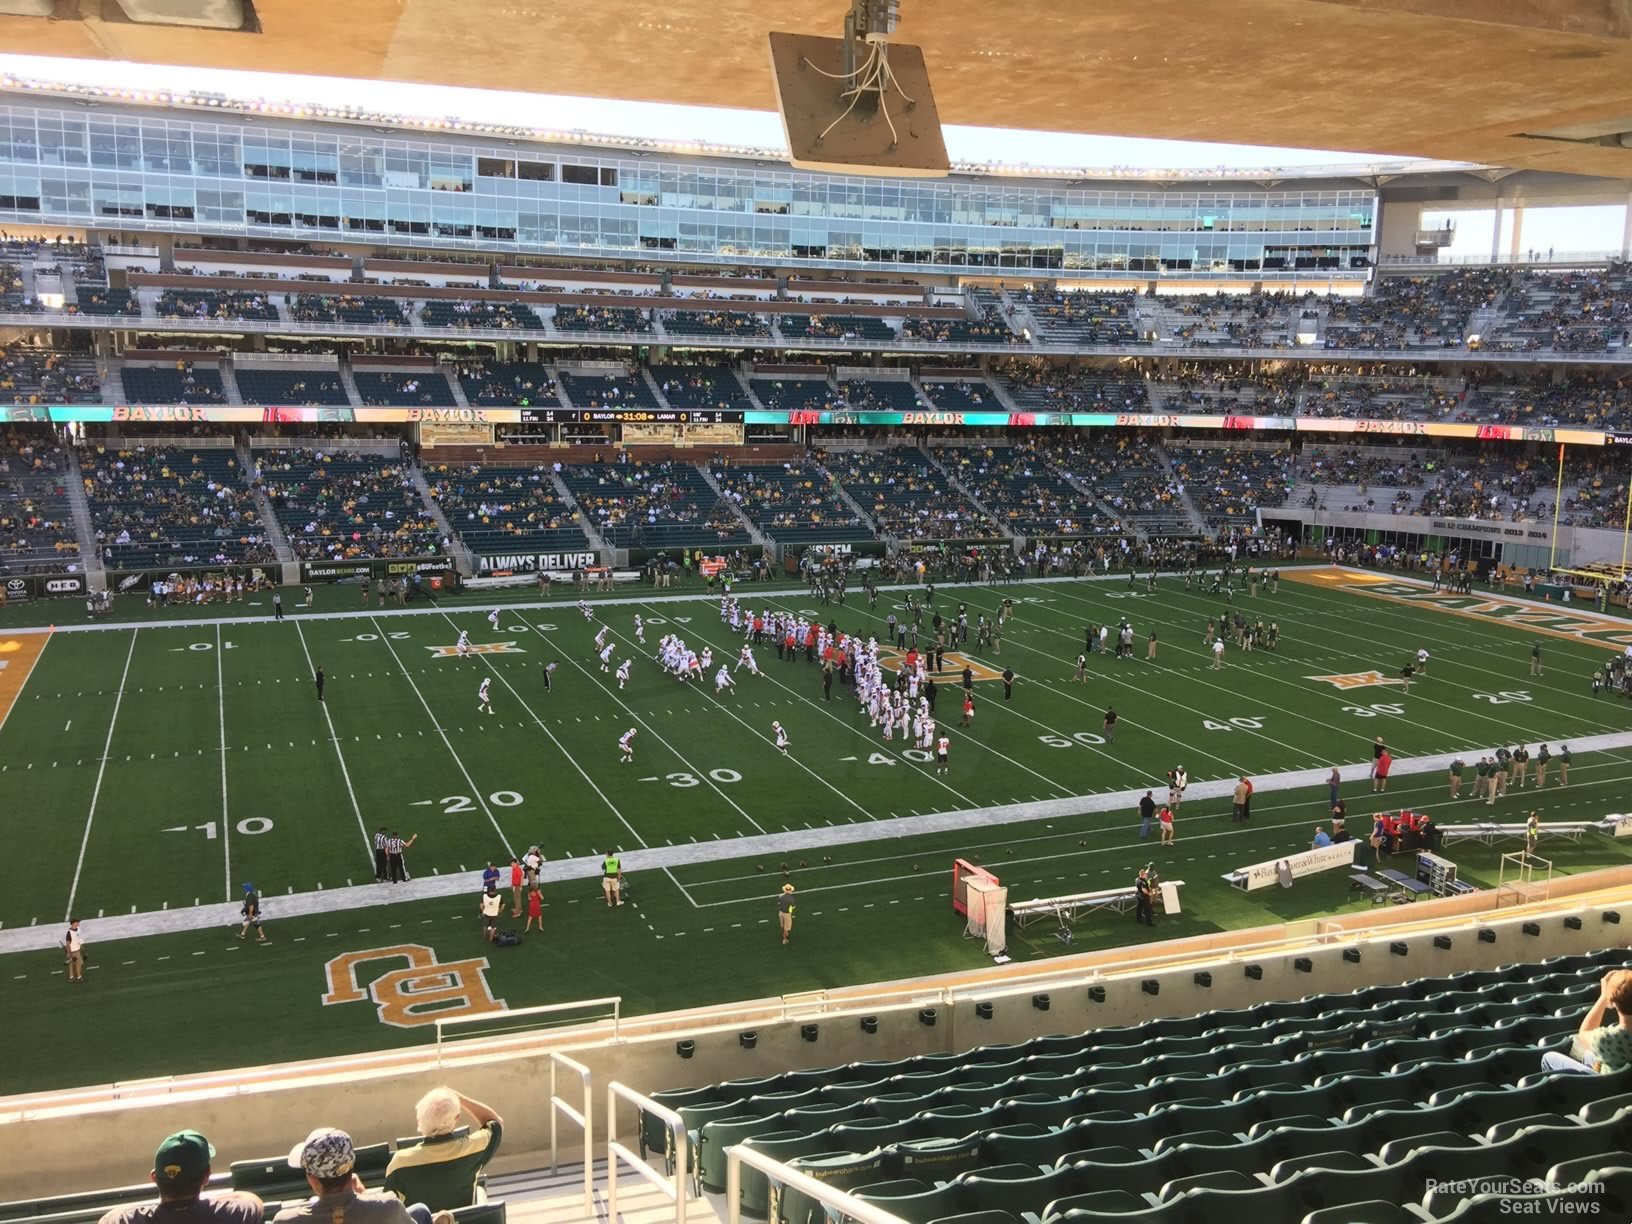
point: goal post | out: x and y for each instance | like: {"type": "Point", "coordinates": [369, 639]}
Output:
{"type": "Point", "coordinates": [1604, 573]}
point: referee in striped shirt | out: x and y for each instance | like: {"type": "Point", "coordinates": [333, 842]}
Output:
{"type": "Point", "coordinates": [394, 846]}
{"type": "Point", "coordinates": [381, 865]}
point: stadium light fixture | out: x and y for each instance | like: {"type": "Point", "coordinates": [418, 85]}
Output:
{"type": "Point", "coordinates": [858, 104]}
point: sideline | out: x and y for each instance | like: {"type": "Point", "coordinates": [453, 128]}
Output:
{"type": "Point", "coordinates": [748, 593]}
{"type": "Point", "coordinates": [364, 896]}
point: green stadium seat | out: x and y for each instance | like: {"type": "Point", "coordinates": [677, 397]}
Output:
{"type": "Point", "coordinates": [1210, 1206]}
{"type": "Point", "coordinates": [272, 1178]}
{"type": "Point", "coordinates": [934, 1160]}
{"type": "Point", "coordinates": [714, 1137]}
{"type": "Point", "coordinates": [781, 1146]}
{"type": "Point", "coordinates": [843, 1170]}
{"type": "Point", "coordinates": [978, 1217]}
{"type": "Point", "coordinates": [1100, 1205]}
{"type": "Point", "coordinates": [917, 1206]}
{"type": "Point", "coordinates": [1039, 1108]}
{"type": "Point", "coordinates": [1101, 1156]}
{"type": "Point", "coordinates": [1605, 1107]}
{"type": "Point", "coordinates": [1396, 1150]}
{"type": "Point", "coordinates": [1331, 1162]}
{"type": "Point", "coordinates": [1373, 1211]}
{"type": "Point", "coordinates": [481, 1213]}
{"type": "Point", "coordinates": [1508, 1127]}
{"type": "Point", "coordinates": [1217, 1179]}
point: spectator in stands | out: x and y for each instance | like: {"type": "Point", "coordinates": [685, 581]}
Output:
{"type": "Point", "coordinates": [327, 1158]}
{"type": "Point", "coordinates": [1607, 1047]}
{"type": "Point", "coordinates": [442, 1170]}
{"type": "Point", "coordinates": [181, 1168]}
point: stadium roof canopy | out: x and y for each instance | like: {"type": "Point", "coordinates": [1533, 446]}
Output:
{"type": "Point", "coordinates": [1537, 84]}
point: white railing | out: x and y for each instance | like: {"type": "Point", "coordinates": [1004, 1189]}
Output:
{"type": "Point", "coordinates": [838, 1203]}
{"type": "Point", "coordinates": [584, 1119]}
{"type": "Point", "coordinates": [507, 1017]}
{"type": "Point", "coordinates": [672, 1186]}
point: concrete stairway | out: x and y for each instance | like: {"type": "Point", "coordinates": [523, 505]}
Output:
{"type": "Point", "coordinates": [456, 548]}
{"type": "Point", "coordinates": [113, 385]}
{"type": "Point", "coordinates": [1197, 523]}
{"type": "Point", "coordinates": [457, 386]}
{"type": "Point", "coordinates": [962, 488]}
{"type": "Point", "coordinates": [229, 383]}
{"type": "Point", "coordinates": [754, 533]}
{"type": "Point", "coordinates": [74, 481]}
{"type": "Point", "coordinates": [263, 507]}
{"type": "Point", "coordinates": [350, 384]}
{"type": "Point", "coordinates": [847, 499]}
{"type": "Point", "coordinates": [558, 1198]}
{"type": "Point", "coordinates": [596, 540]}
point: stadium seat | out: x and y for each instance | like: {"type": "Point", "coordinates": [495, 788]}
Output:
{"type": "Point", "coordinates": [715, 1137]}
{"type": "Point", "coordinates": [1217, 1179]}
{"type": "Point", "coordinates": [1373, 1211]}
{"type": "Point", "coordinates": [1330, 1161]}
{"type": "Point", "coordinates": [481, 1213]}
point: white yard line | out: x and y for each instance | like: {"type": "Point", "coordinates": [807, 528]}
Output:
{"type": "Point", "coordinates": [101, 769]}
{"type": "Point", "coordinates": [226, 820]}
{"type": "Point", "coordinates": [475, 790]}
{"type": "Point", "coordinates": [571, 760]}
{"type": "Point", "coordinates": [356, 810]}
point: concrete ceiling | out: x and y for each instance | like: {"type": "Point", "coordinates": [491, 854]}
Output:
{"type": "Point", "coordinates": [1463, 80]}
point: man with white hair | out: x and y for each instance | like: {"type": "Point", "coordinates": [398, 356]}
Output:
{"type": "Point", "coordinates": [442, 1170]}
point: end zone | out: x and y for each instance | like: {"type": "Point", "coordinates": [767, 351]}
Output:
{"type": "Point", "coordinates": [18, 654]}
{"type": "Point", "coordinates": [1533, 615]}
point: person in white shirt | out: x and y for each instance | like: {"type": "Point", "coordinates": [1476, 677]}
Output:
{"type": "Point", "coordinates": [484, 702]}
{"type": "Point", "coordinates": [489, 906]}
{"type": "Point", "coordinates": [723, 681]}
{"type": "Point", "coordinates": [1218, 654]}
{"type": "Point", "coordinates": [1422, 662]}
{"type": "Point", "coordinates": [747, 659]}
{"type": "Point", "coordinates": [493, 619]}
{"type": "Point", "coordinates": [73, 946]}
{"type": "Point", "coordinates": [623, 673]}
{"type": "Point", "coordinates": [781, 738]}
{"type": "Point", "coordinates": [1176, 782]}
{"type": "Point", "coordinates": [463, 645]}
{"type": "Point", "coordinates": [640, 629]}
{"type": "Point", "coordinates": [600, 637]}
{"type": "Point", "coordinates": [626, 745]}
{"type": "Point", "coordinates": [606, 656]}
{"type": "Point", "coordinates": [583, 606]}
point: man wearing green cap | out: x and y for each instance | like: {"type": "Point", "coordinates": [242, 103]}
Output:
{"type": "Point", "coordinates": [181, 1167]}
{"type": "Point", "coordinates": [329, 1161]}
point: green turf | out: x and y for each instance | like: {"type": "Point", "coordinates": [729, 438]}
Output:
{"type": "Point", "coordinates": [177, 821]}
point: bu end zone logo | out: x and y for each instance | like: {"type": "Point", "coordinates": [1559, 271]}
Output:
{"type": "Point", "coordinates": [476, 648]}
{"type": "Point", "coordinates": [952, 664]}
{"type": "Point", "coordinates": [426, 991]}
{"type": "Point", "coordinates": [1350, 680]}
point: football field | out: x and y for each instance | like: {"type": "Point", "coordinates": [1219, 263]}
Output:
{"type": "Point", "coordinates": [152, 765]}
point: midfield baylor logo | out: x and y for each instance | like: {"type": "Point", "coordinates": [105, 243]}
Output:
{"type": "Point", "coordinates": [951, 665]}
{"type": "Point", "coordinates": [476, 648]}
{"type": "Point", "coordinates": [426, 991]}
{"type": "Point", "coordinates": [1349, 680]}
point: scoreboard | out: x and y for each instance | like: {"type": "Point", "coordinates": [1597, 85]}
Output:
{"type": "Point", "coordinates": [631, 416]}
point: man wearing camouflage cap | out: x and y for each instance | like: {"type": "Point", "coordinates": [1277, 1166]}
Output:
{"type": "Point", "coordinates": [327, 1158]}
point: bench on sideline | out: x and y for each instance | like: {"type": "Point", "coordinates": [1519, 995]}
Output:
{"type": "Point", "coordinates": [1066, 908]}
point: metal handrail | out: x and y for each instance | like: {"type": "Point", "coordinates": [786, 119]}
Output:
{"type": "Point", "coordinates": [846, 1206]}
{"type": "Point", "coordinates": [584, 1119]}
{"type": "Point", "coordinates": [672, 1186]}
{"type": "Point", "coordinates": [521, 1013]}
